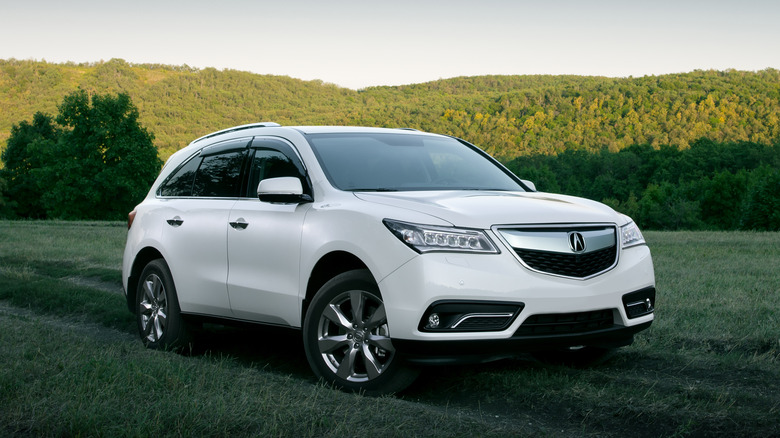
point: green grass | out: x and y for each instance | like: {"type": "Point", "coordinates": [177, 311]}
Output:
{"type": "Point", "coordinates": [71, 364]}
{"type": "Point", "coordinates": [46, 265]}
{"type": "Point", "coordinates": [719, 289]}
{"type": "Point", "coordinates": [65, 380]}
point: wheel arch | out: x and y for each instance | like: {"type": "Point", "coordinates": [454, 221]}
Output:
{"type": "Point", "coordinates": [329, 266]}
{"type": "Point", "coordinates": [142, 259]}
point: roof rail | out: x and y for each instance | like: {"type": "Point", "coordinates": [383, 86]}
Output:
{"type": "Point", "coordinates": [238, 128]}
{"type": "Point", "coordinates": [409, 129]}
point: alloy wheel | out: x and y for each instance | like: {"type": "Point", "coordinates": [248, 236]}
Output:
{"type": "Point", "coordinates": [353, 338]}
{"type": "Point", "coordinates": [153, 308]}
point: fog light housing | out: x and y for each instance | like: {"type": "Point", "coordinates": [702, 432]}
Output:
{"type": "Point", "coordinates": [469, 316]}
{"type": "Point", "coordinates": [639, 303]}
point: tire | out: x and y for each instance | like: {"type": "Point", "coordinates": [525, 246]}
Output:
{"type": "Point", "coordinates": [158, 315]}
{"type": "Point", "coordinates": [577, 357]}
{"type": "Point", "coordinates": [347, 339]}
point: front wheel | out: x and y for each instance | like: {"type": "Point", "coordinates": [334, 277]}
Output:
{"type": "Point", "coordinates": [347, 338]}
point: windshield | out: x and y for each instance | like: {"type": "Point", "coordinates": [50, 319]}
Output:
{"type": "Point", "coordinates": [402, 162]}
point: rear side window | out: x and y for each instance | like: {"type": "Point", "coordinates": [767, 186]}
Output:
{"type": "Point", "coordinates": [180, 182]}
{"type": "Point", "coordinates": [219, 176]}
{"type": "Point", "coordinates": [216, 172]}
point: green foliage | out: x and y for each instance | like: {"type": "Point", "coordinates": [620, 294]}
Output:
{"type": "Point", "coordinates": [722, 199]}
{"type": "Point", "coordinates": [508, 116]}
{"type": "Point", "coordinates": [762, 201]}
{"type": "Point", "coordinates": [21, 156]}
{"type": "Point", "coordinates": [99, 165]}
{"type": "Point", "coordinates": [665, 208]}
{"type": "Point", "coordinates": [710, 185]}
{"type": "Point", "coordinates": [5, 205]}
{"type": "Point", "coordinates": [696, 136]}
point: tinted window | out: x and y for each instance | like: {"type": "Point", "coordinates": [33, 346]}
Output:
{"type": "Point", "coordinates": [269, 163]}
{"type": "Point", "coordinates": [180, 182]}
{"type": "Point", "coordinates": [390, 162]}
{"type": "Point", "coordinates": [219, 175]}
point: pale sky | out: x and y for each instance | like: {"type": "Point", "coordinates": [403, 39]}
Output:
{"type": "Point", "coordinates": [357, 44]}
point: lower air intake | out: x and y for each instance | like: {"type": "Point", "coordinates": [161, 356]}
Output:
{"type": "Point", "coordinates": [566, 323]}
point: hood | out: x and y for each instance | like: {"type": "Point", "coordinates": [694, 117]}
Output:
{"type": "Point", "coordinates": [483, 210]}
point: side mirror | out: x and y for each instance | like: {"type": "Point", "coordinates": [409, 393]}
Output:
{"type": "Point", "coordinates": [287, 190]}
{"type": "Point", "coordinates": [529, 184]}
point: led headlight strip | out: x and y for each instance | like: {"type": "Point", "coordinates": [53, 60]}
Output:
{"type": "Point", "coordinates": [425, 238]}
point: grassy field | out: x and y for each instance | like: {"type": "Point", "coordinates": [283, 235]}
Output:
{"type": "Point", "coordinates": [71, 363]}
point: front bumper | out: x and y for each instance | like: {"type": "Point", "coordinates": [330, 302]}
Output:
{"type": "Point", "coordinates": [459, 352]}
{"type": "Point", "coordinates": [415, 288]}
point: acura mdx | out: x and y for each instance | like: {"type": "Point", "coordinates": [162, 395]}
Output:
{"type": "Point", "coordinates": [387, 248]}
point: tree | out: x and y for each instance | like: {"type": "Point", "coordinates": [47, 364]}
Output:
{"type": "Point", "coordinates": [5, 207]}
{"type": "Point", "coordinates": [721, 198]}
{"type": "Point", "coordinates": [21, 156]}
{"type": "Point", "coordinates": [761, 210]}
{"type": "Point", "coordinates": [664, 207]}
{"type": "Point", "coordinates": [98, 165]}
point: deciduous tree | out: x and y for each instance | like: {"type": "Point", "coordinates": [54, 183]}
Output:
{"type": "Point", "coordinates": [97, 164]}
{"type": "Point", "coordinates": [21, 155]}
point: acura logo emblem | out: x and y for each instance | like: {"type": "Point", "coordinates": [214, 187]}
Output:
{"type": "Point", "coordinates": [576, 242]}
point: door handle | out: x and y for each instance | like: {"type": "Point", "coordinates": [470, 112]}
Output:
{"type": "Point", "coordinates": [239, 224]}
{"type": "Point", "coordinates": [175, 221]}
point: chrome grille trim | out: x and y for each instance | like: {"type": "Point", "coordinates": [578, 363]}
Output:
{"type": "Point", "coordinates": [545, 248]}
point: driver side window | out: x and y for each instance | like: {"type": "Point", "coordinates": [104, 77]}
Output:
{"type": "Point", "coordinates": [269, 163]}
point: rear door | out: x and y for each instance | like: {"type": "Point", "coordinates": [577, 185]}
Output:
{"type": "Point", "coordinates": [196, 202]}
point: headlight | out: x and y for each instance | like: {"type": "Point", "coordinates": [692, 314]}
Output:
{"type": "Point", "coordinates": [630, 235]}
{"type": "Point", "coordinates": [424, 238]}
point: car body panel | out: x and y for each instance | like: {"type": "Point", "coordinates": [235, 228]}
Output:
{"type": "Point", "coordinates": [501, 278]}
{"type": "Point", "coordinates": [486, 209]}
{"type": "Point", "coordinates": [200, 241]}
{"type": "Point", "coordinates": [264, 261]}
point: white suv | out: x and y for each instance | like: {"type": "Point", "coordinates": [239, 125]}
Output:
{"type": "Point", "coordinates": [387, 248]}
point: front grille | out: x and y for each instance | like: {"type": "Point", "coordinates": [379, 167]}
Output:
{"type": "Point", "coordinates": [566, 323]}
{"type": "Point", "coordinates": [569, 265]}
{"type": "Point", "coordinates": [576, 250]}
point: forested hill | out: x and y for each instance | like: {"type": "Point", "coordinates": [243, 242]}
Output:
{"type": "Point", "coordinates": [509, 116]}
